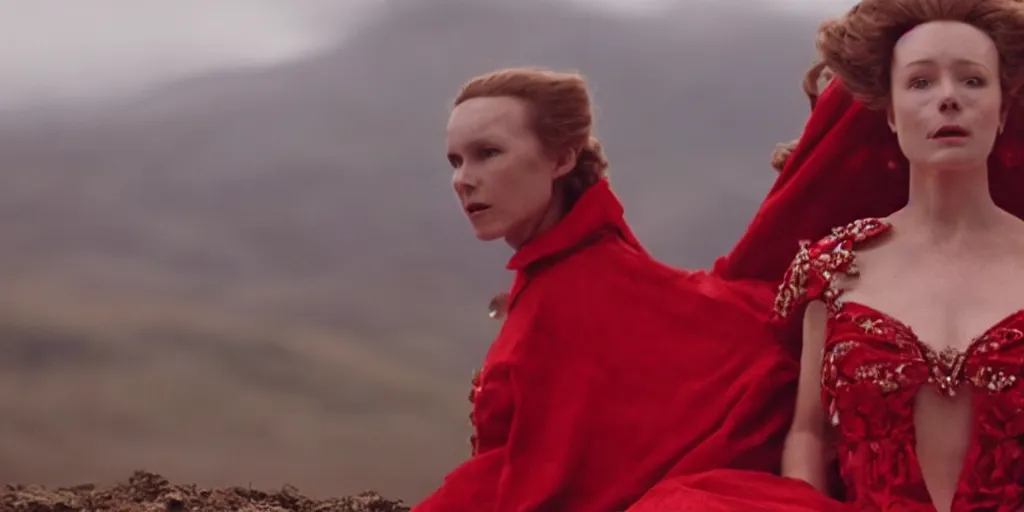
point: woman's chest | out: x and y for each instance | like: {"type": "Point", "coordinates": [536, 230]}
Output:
{"type": "Point", "coordinates": [941, 311]}
{"type": "Point", "coordinates": [947, 297]}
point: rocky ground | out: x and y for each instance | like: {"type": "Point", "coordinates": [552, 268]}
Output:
{"type": "Point", "coordinates": [147, 492]}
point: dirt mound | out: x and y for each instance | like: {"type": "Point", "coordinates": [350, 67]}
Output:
{"type": "Point", "coordinates": [147, 492]}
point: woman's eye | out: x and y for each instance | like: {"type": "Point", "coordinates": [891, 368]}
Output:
{"type": "Point", "coordinates": [918, 83]}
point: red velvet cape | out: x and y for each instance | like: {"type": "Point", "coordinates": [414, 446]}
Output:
{"type": "Point", "coordinates": [847, 166]}
{"type": "Point", "coordinates": [613, 370]}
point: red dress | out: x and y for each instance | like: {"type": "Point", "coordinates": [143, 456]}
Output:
{"type": "Point", "coordinates": [874, 365]}
{"type": "Point", "coordinates": [612, 371]}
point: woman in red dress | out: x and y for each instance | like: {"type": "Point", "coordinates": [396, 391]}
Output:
{"type": "Point", "coordinates": [611, 369]}
{"type": "Point", "coordinates": [910, 310]}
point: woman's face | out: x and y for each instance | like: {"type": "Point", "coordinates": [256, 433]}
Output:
{"type": "Point", "coordinates": [502, 176]}
{"type": "Point", "coordinates": [946, 97]}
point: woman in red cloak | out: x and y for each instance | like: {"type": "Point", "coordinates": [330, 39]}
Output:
{"type": "Point", "coordinates": [611, 369]}
{"type": "Point", "coordinates": [911, 169]}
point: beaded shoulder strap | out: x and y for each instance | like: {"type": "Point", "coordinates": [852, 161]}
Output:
{"type": "Point", "coordinates": [814, 272]}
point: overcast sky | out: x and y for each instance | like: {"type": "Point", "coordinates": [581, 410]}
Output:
{"type": "Point", "coordinates": [60, 50]}
{"type": "Point", "coordinates": [828, 7]}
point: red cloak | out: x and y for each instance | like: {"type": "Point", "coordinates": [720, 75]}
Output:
{"type": "Point", "coordinates": [847, 166]}
{"type": "Point", "coordinates": [612, 371]}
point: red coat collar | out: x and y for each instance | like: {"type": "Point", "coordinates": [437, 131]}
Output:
{"type": "Point", "coordinates": [596, 211]}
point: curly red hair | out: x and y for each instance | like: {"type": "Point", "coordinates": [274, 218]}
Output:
{"type": "Point", "coordinates": [858, 47]}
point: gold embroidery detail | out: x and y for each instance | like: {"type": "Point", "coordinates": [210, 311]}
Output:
{"type": "Point", "coordinates": [994, 381]}
{"type": "Point", "coordinates": [870, 326]}
{"type": "Point", "coordinates": [474, 391]}
{"type": "Point", "coordinates": [829, 258]}
{"type": "Point", "coordinates": [888, 380]}
{"type": "Point", "coordinates": [988, 377]}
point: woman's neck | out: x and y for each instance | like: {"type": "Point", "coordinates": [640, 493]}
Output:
{"type": "Point", "coordinates": [552, 213]}
{"type": "Point", "coordinates": [945, 205]}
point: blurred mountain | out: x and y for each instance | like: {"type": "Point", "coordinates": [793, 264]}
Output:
{"type": "Point", "coordinates": [261, 275]}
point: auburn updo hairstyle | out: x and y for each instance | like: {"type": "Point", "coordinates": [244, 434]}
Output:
{"type": "Point", "coordinates": [560, 114]}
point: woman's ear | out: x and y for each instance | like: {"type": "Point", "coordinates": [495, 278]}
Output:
{"type": "Point", "coordinates": [890, 117]}
{"type": "Point", "coordinates": [565, 161]}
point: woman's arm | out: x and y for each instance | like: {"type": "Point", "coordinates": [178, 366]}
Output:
{"type": "Point", "coordinates": [804, 455]}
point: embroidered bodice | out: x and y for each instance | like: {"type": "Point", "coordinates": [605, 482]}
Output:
{"type": "Point", "coordinates": [873, 367]}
